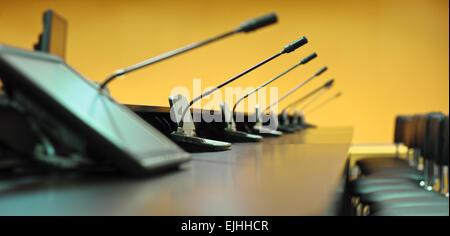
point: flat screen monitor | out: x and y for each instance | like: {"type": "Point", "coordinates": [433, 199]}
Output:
{"type": "Point", "coordinates": [109, 129]}
{"type": "Point", "coordinates": [54, 36]}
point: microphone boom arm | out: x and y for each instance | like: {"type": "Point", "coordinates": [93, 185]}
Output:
{"type": "Point", "coordinates": [294, 104]}
{"type": "Point", "coordinates": [302, 62]}
{"type": "Point", "coordinates": [164, 56]}
{"type": "Point", "coordinates": [290, 92]}
{"type": "Point", "coordinates": [247, 26]}
{"type": "Point", "coordinates": [287, 49]}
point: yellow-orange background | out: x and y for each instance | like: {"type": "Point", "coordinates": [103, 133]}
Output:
{"type": "Point", "coordinates": [388, 56]}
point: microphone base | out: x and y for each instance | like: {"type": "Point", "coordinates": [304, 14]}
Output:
{"type": "Point", "coordinates": [297, 127]}
{"type": "Point", "coordinates": [309, 126]}
{"type": "Point", "coordinates": [241, 137]}
{"type": "Point", "coordinates": [197, 144]}
{"type": "Point", "coordinates": [287, 129]}
{"type": "Point", "coordinates": [305, 126]}
{"type": "Point", "coordinates": [267, 132]}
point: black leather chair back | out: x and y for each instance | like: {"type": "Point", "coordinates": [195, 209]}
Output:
{"type": "Point", "coordinates": [421, 126]}
{"type": "Point", "coordinates": [401, 123]}
{"type": "Point", "coordinates": [433, 141]}
{"type": "Point", "coordinates": [408, 132]}
{"type": "Point", "coordinates": [445, 143]}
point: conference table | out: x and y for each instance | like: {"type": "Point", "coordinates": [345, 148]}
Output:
{"type": "Point", "coordinates": [296, 174]}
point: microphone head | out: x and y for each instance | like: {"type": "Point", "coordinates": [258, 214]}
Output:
{"type": "Point", "coordinates": [308, 58]}
{"type": "Point", "coordinates": [257, 23]}
{"type": "Point", "coordinates": [293, 46]}
{"type": "Point", "coordinates": [321, 71]}
{"type": "Point", "coordinates": [329, 83]}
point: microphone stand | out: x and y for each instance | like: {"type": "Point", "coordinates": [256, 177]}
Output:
{"type": "Point", "coordinates": [183, 136]}
{"type": "Point", "coordinates": [296, 122]}
{"type": "Point", "coordinates": [258, 125]}
{"type": "Point", "coordinates": [320, 105]}
{"type": "Point", "coordinates": [248, 26]}
{"type": "Point", "coordinates": [301, 119]}
{"type": "Point", "coordinates": [302, 62]}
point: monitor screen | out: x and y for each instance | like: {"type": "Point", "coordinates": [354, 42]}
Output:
{"type": "Point", "coordinates": [54, 37]}
{"type": "Point", "coordinates": [82, 99]}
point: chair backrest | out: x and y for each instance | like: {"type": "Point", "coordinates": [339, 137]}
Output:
{"type": "Point", "coordinates": [407, 133]}
{"type": "Point", "coordinates": [410, 132]}
{"type": "Point", "coordinates": [433, 140]}
{"type": "Point", "coordinates": [421, 126]}
{"type": "Point", "coordinates": [445, 143]}
{"type": "Point", "coordinates": [401, 123]}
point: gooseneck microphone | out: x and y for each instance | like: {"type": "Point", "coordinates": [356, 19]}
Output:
{"type": "Point", "coordinates": [320, 105]}
{"type": "Point", "coordinates": [288, 49]}
{"type": "Point", "coordinates": [297, 121]}
{"type": "Point", "coordinates": [312, 100]}
{"type": "Point", "coordinates": [247, 26]}
{"type": "Point", "coordinates": [299, 118]}
{"type": "Point", "coordinates": [230, 133]}
{"type": "Point", "coordinates": [318, 73]}
{"type": "Point", "coordinates": [302, 62]}
{"type": "Point", "coordinates": [328, 84]}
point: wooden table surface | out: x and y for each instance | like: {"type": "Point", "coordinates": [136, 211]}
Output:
{"type": "Point", "coordinates": [296, 174]}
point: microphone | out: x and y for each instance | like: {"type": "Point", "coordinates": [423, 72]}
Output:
{"type": "Point", "coordinates": [320, 105]}
{"type": "Point", "coordinates": [318, 73]}
{"type": "Point", "coordinates": [301, 122]}
{"type": "Point", "coordinates": [245, 27]}
{"type": "Point", "coordinates": [296, 121]}
{"type": "Point", "coordinates": [328, 84]}
{"type": "Point", "coordinates": [312, 100]}
{"type": "Point", "coordinates": [186, 135]}
{"type": "Point", "coordinates": [288, 49]}
{"type": "Point", "coordinates": [258, 125]}
{"type": "Point", "coordinates": [231, 131]}
{"type": "Point", "coordinates": [302, 62]}
{"type": "Point", "coordinates": [180, 135]}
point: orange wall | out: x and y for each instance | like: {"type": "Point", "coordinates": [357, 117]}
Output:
{"type": "Point", "coordinates": [388, 57]}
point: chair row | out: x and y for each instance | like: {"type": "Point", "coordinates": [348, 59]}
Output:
{"type": "Point", "coordinates": [415, 186]}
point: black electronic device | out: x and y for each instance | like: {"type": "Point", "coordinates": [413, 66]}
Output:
{"type": "Point", "coordinates": [262, 118]}
{"type": "Point", "coordinates": [231, 133]}
{"type": "Point", "coordinates": [54, 36]}
{"type": "Point", "coordinates": [185, 134]}
{"type": "Point", "coordinates": [73, 111]}
{"type": "Point", "coordinates": [285, 126]}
